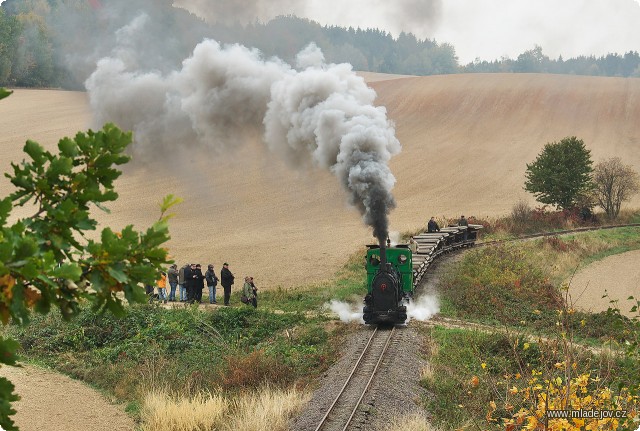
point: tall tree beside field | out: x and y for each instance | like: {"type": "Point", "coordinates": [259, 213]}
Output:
{"type": "Point", "coordinates": [46, 259]}
{"type": "Point", "coordinates": [33, 65]}
{"type": "Point", "coordinates": [561, 174]}
{"type": "Point", "coordinates": [614, 183]}
{"type": "Point", "coordinates": [10, 29]}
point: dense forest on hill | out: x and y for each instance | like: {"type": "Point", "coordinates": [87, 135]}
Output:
{"type": "Point", "coordinates": [56, 43]}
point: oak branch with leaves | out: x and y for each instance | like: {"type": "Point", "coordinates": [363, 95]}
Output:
{"type": "Point", "coordinates": [46, 260]}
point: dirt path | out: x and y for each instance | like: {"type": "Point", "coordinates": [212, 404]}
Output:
{"type": "Point", "coordinates": [54, 402]}
{"type": "Point", "coordinates": [618, 275]}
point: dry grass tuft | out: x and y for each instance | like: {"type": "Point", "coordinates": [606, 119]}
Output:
{"type": "Point", "coordinates": [426, 374]}
{"type": "Point", "coordinates": [253, 411]}
{"type": "Point", "coordinates": [162, 412]}
{"type": "Point", "coordinates": [266, 410]}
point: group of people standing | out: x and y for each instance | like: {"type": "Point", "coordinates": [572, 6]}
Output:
{"type": "Point", "coordinates": [187, 283]}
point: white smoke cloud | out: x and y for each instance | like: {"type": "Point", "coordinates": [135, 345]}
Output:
{"type": "Point", "coordinates": [423, 308]}
{"type": "Point", "coordinates": [319, 115]}
{"type": "Point", "coordinates": [347, 312]}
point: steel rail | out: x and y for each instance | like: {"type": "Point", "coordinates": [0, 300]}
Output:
{"type": "Point", "coordinates": [349, 379]}
{"type": "Point", "coordinates": [324, 418]}
{"type": "Point", "coordinates": [373, 373]}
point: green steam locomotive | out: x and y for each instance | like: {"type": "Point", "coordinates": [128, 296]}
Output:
{"type": "Point", "coordinates": [393, 273]}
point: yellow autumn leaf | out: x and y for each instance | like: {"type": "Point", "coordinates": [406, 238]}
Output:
{"type": "Point", "coordinates": [532, 423]}
{"type": "Point", "coordinates": [579, 423]}
{"type": "Point", "coordinates": [6, 286]}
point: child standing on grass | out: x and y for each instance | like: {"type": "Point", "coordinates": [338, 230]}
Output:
{"type": "Point", "coordinates": [162, 287]}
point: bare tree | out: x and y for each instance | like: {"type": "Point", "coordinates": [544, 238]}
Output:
{"type": "Point", "coordinates": [614, 184]}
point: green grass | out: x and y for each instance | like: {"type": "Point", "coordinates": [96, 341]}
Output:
{"type": "Point", "coordinates": [499, 361]}
{"type": "Point", "coordinates": [514, 287]}
{"type": "Point", "coordinates": [347, 285]}
{"type": "Point", "coordinates": [457, 356]}
{"type": "Point", "coordinates": [622, 240]}
{"type": "Point", "coordinates": [516, 284]}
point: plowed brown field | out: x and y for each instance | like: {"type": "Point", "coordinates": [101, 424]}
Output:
{"type": "Point", "coordinates": [618, 276]}
{"type": "Point", "coordinates": [466, 141]}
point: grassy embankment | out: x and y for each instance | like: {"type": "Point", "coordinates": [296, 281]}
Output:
{"type": "Point", "coordinates": [530, 334]}
{"type": "Point", "coordinates": [525, 220]}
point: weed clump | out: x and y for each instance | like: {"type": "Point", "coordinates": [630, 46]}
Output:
{"type": "Point", "coordinates": [500, 284]}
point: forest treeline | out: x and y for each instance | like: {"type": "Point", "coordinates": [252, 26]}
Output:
{"type": "Point", "coordinates": [56, 43]}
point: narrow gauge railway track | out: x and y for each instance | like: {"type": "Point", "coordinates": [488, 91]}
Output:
{"type": "Point", "coordinates": [556, 233]}
{"type": "Point", "coordinates": [342, 411]}
{"type": "Point", "coordinates": [432, 245]}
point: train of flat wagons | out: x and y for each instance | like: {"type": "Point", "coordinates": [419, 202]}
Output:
{"type": "Point", "coordinates": [393, 273]}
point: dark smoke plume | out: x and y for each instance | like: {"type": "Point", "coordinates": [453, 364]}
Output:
{"type": "Point", "coordinates": [316, 114]}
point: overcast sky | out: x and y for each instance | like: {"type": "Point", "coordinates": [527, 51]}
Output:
{"type": "Point", "coordinates": [488, 29]}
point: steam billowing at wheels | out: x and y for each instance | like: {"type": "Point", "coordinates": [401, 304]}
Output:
{"type": "Point", "coordinates": [314, 115]}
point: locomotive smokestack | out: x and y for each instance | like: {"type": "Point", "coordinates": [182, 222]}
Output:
{"type": "Point", "coordinates": [383, 255]}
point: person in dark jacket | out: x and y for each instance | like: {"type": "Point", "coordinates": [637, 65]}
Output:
{"type": "Point", "coordinates": [432, 226]}
{"type": "Point", "coordinates": [190, 281]}
{"type": "Point", "coordinates": [181, 283]}
{"type": "Point", "coordinates": [198, 284]}
{"type": "Point", "coordinates": [149, 289]}
{"type": "Point", "coordinates": [172, 276]}
{"type": "Point", "coordinates": [255, 290]}
{"type": "Point", "coordinates": [212, 282]}
{"type": "Point", "coordinates": [463, 222]}
{"type": "Point", "coordinates": [226, 279]}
